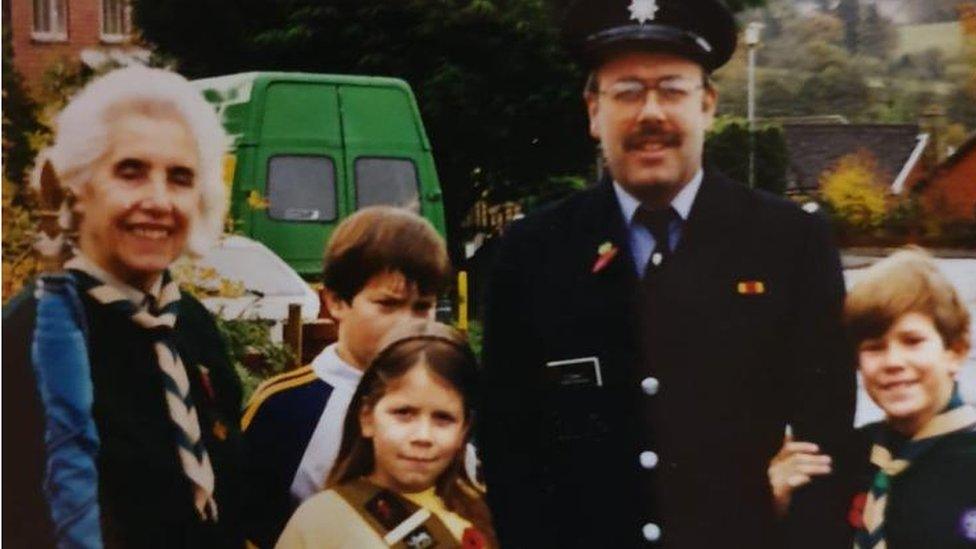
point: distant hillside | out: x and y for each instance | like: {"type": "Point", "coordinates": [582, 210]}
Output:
{"type": "Point", "coordinates": [918, 11]}
{"type": "Point", "coordinates": [915, 39]}
{"type": "Point", "coordinates": [901, 12]}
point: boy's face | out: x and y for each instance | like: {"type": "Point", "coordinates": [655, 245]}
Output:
{"type": "Point", "coordinates": [386, 300]}
{"type": "Point", "coordinates": [909, 372]}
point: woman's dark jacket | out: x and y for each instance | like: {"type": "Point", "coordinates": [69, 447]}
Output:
{"type": "Point", "coordinates": [145, 499]}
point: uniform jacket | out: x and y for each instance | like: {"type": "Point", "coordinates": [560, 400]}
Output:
{"type": "Point", "coordinates": [732, 364]}
{"type": "Point", "coordinates": [145, 499]}
{"type": "Point", "coordinates": [932, 503]}
{"type": "Point", "coordinates": [278, 425]}
{"type": "Point", "coordinates": [358, 515]}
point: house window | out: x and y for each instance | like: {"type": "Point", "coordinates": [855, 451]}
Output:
{"type": "Point", "coordinates": [116, 20]}
{"type": "Point", "coordinates": [50, 20]}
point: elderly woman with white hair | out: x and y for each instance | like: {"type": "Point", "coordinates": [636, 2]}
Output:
{"type": "Point", "coordinates": [141, 151]}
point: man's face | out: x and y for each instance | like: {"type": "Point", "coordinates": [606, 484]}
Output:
{"type": "Point", "coordinates": [386, 300]}
{"type": "Point", "coordinates": [650, 116]}
{"type": "Point", "coordinates": [142, 200]}
{"type": "Point", "coordinates": [909, 372]}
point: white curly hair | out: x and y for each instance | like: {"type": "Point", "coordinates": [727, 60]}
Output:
{"type": "Point", "coordinates": [82, 136]}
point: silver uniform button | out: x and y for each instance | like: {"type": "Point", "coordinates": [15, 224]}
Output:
{"type": "Point", "coordinates": [650, 385]}
{"type": "Point", "coordinates": [651, 531]}
{"type": "Point", "coordinates": [648, 459]}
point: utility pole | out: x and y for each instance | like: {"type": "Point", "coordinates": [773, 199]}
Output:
{"type": "Point", "coordinates": [752, 41]}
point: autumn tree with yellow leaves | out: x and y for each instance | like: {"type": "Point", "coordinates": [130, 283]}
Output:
{"type": "Point", "coordinates": [855, 191]}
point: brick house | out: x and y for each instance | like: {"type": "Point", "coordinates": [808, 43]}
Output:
{"type": "Point", "coordinates": [949, 190]}
{"type": "Point", "coordinates": [93, 32]}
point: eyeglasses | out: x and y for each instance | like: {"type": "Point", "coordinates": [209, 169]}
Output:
{"type": "Point", "coordinates": [668, 92]}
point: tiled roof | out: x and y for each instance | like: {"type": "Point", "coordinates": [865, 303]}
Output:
{"type": "Point", "coordinates": [814, 148]}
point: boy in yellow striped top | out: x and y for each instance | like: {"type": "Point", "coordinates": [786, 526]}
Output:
{"type": "Point", "coordinates": [382, 266]}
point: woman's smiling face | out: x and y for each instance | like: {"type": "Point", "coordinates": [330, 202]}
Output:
{"type": "Point", "coordinates": [142, 200]}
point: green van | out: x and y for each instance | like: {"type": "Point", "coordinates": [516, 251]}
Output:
{"type": "Point", "coordinates": [310, 149]}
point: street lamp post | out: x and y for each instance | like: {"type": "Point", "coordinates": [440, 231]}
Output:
{"type": "Point", "coordinates": [752, 41]}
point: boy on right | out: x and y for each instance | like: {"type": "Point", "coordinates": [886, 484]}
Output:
{"type": "Point", "coordinates": [917, 487]}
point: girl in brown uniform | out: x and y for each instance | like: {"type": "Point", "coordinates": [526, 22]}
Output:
{"type": "Point", "coordinates": [399, 480]}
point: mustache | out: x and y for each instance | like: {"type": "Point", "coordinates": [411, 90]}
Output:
{"type": "Point", "coordinates": [645, 135]}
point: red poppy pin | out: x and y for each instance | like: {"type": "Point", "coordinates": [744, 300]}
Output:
{"type": "Point", "coordinates": [605, 254]}
{"type": "Point", "coordinates": [220, 430]}
{"type": "Point", "coordinates": [205, 381]}
{"type": "Point", "coordinates": [473, 539]}
{"type": "Point", "coordinates": [856, 514]}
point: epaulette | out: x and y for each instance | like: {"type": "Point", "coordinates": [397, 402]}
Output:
{"type": "Point", "coordinates": [274, 385]}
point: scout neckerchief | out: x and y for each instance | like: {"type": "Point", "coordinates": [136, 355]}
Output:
{"type": "Point", "coordinates": [893, 455]}
{"type": "Point", "coordinates": [158, 319]}
{"type": "Point", "coordinates": [400, 522]}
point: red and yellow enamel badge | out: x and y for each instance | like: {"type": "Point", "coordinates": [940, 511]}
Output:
{"type": "Point", "coordinates": [751, 287]}
{"type": "Point", "coordinates": [605, 254]}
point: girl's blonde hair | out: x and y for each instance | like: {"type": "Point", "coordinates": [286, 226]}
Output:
{"type": "Point", "coordinates": [445, 352]}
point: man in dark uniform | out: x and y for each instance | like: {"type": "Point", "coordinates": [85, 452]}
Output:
{"type": "Point", "coordinates": [648, 340]}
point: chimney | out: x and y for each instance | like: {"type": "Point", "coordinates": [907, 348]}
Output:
{"type": "Point", "coordinates": [933, 122]}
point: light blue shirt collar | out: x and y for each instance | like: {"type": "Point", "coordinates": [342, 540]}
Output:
{"type": "Point", "coordinates": [681, 203]}
{"type": "Point", "coordinates": [640, 239]}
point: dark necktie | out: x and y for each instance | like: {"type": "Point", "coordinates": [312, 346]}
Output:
{"type": "Point", "coordinates": [658, 222]}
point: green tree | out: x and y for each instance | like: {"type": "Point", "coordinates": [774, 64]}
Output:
{"type": "Point", "coordinates": [849, 12]}
{"type": "Point", "coordinates": [20, 121]}
{"type": "Point", "coordinates": [727, 148]}
{"type": "Point", "coordinates": [776, 98]}
{"type": "Point", "coordinates": [500, 98]}
{"type": "Point", "coordinates": [876, 34]}
{"type": "Point", "coordinates": [962, 107]}
{"type": "Point", "coordinates": [837, 90]}
{"type": "Point", "coordinates": [798, 42]}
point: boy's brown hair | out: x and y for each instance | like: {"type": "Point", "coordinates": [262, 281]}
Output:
{"type": "Point", "coordinates": [908, 281]}
{"type": "Point", "coordinates": [384, 239]}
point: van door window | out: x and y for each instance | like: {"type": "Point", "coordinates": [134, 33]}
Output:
{"type": "Point", "coordinates": [387, 181]}
{"type": "Point", "coordinates": [301, 188]}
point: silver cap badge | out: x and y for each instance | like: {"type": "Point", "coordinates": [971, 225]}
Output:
{"type": "Point", "coordinates": [643, 11]}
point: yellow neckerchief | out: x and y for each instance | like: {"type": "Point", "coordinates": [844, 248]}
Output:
{"type": "Point", "coordinates": [429, 499]}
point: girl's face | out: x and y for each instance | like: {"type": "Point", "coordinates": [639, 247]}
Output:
{"type": "Point", "coordinates": [417, 427]}
{"type": "Point", "coordinates": [909, 371]}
